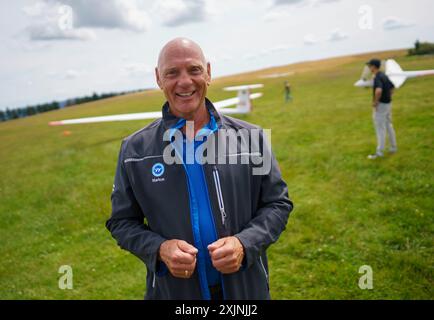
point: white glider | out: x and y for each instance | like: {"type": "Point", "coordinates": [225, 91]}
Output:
{"type": "Point", "coordinates": [395, 73]}
{"type": "Point", "coordinates": [242, 102]}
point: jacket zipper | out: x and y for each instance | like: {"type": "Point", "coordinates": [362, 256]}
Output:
{"type": "Point", "coordinates": [153, 281]}
{"type": "Point", "coordinates": [218, 189]}
{"type": "Point", "coordinates": [263, 268]}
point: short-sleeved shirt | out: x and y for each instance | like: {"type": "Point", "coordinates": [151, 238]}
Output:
{"type": "Point", "coordinates": [383, 82]}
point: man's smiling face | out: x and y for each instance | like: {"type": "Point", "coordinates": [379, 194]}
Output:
{"type": "Point", "coordinates": [184, 76]}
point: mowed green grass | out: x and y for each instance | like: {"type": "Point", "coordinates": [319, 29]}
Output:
{"type": "Point", "coordinates": [349, 211]}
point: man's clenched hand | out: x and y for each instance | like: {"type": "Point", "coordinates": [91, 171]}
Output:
{"type": "Point", "coordinates": [179, 256]}
{"type": "Point", "coordinates": [226, 254]}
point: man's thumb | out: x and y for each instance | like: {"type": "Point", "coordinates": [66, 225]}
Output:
{"type": "Point", "coordinates": [186, 247]}
{"type": "Point", "coordinates": [217, 244]}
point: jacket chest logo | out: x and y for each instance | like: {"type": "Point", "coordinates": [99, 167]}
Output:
{"type": "Point", "coordinates": [157, 171]}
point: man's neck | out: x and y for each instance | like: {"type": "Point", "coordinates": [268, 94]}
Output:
{"type": "Point", "coordinates": [200, 118]}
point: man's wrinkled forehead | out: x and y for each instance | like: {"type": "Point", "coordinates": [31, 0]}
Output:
{"type": "Point", "coordinates": [177, 53]}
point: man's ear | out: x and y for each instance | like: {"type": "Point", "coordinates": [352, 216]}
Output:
{"type": "Point", "coordinates": [157, 78]}
{"type": "Point", "coordinates": [208, 72]}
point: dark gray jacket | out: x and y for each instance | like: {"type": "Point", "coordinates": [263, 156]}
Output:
{"type": "Point", "coordinates": [147, 211]}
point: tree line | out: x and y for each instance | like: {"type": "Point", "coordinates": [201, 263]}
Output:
{"type": "Point", "coordinates": [421, 48]}
{"type": "Point", "coordinates": [15, 113]}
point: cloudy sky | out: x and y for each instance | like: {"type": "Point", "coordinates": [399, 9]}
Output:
{"type": "Point", "coordinates": [57, 49]}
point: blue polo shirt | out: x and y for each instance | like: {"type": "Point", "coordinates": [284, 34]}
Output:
{"type": "Point", "coordinates": [201, 203]}
{"type": "Point", "coordinates": [202, 218]}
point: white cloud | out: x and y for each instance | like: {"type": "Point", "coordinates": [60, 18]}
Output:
{"type": "Point", "coordinates": [51, 31]}
{"type": "Point", "coordinates": [35, 9]}
{"type": "Point", "coordinates": [391, 23]}
{"type": "Point", "coordinates": [70, 74]}
{"type": "Point", "coordinates": [250, 56]}
{"type": "Point", "coordinates": [337, 35]}
{"type": "Point", "coordinates": [310, 39]}
{"type": "Point", "coordinates": [311, 3]}
{"type": "Point", "coordinates": [137, 69]}
{"type": "Point", "coordinates": [219, 58]}
{"type": "Point", "coordinates": [76, 19]}
{"type": "Point", "coordinates": [287, 2]}
{"type": "Point", "coordinates": [174, 13]}
{"type": "Point", "coordinates": [276, 49]}
{"type": "Point", "coordinates": [317, 2]}
{"type": "Point", "coordinates": [225, 57]}
{"type": "Point", "coordinates": [267, 52]}
{"type": "Point", "coordinates": [276, 15]}
{"type": "Point", "coordinates": [280, 8]}
{"type": "Point", "coordinates": [109, 14]}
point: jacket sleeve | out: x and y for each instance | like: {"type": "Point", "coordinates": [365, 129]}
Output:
{"type": "Point", "coordinates": [270, 219]}
{"type": "Point", "coordinates": [126, 223]}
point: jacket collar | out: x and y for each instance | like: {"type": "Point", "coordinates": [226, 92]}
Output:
{"type": "Point", "coordinates": [169, 120]}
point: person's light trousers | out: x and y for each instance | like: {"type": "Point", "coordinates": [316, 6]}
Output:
{"type": "Point", "coordinates": [382, 116]}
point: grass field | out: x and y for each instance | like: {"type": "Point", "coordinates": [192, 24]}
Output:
{"type": "Point", "coordinates": [55, 190]}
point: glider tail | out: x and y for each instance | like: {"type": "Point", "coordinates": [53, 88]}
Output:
{"type": "Point", "coordinates": [244, 104]}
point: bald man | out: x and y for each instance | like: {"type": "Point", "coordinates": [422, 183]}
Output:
{"type": "Point", "coordinates": [202, 228]}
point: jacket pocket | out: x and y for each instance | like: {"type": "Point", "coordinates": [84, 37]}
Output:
{"type": "Point", "coordinates": [218, 189]}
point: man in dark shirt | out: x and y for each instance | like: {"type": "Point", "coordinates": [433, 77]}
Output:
{"type": "Point", "coordinates": [382, 112]}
